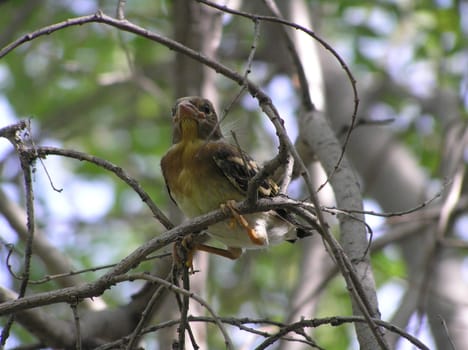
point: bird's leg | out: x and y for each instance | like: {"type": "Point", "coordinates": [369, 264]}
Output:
{"type": "Point", "coordinates": [184, 251]}
{"type": "Point", "coordinates": [229, 208]}
{"type": "Point", "coordinates": [230, 253]}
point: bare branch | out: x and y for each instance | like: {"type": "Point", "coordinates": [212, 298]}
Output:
{"type": "Point", "coordinates": [118, 171]}
{"type": "Point", "coordinates": [51, 331]}
{"type": "Point", "coordinates": [98, 287]}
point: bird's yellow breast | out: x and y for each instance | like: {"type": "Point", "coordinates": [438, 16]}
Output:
{"type": "Point", "coordinates": [193, 178]}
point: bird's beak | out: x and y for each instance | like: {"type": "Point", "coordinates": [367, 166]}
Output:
{"type": "Point", "coordinates": [186, 110]}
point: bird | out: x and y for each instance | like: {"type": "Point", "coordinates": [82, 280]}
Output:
{"type": "Point", "coordinates": [204, 172]}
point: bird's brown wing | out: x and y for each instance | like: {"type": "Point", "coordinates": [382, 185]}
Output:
{"type": "Point", "coordinates": [239, 168]}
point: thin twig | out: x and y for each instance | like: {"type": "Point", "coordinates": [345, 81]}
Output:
{"type": "Point", "coordinates": [446, 331]}
{"type": "Point", "coordinates": [118, 171]}
{"type": "Point", "coordinates": [187, 293]}
{"type": "Point", "coordinates": [144, 318]}
{"type": "Point", "coordinates": [247, 71]}
{"type": "Point", "coordinates": [352, 281]}
{"type": "Point", "coordinates": [183, 301]}
{"type": "Point", "coordinates": [303, 82]}
{"type": "Point", "coordinates": [306, 98]}
{"type": "Point", "coordinates": [284, 329]}
{"type": "Point", "coordinates": [49, 278]}
{"type": "Point", "coordinates": [255, 91]}
{"type": "Point", "coordinates": [97, 287]}
{"type": "Point", "coordinates": [336, 321]}
{"type": "Point", "coordinates": [76, 322]}
{"type": "Point", "coordinates": [25, 161]}
{"type": "Point", "coordinates": [424, 204]}
{"type": "Point", "coordinates": [184, 324]}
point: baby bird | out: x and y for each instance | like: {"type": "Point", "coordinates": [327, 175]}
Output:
{"type": "Point", "coordinates": [204, 172]}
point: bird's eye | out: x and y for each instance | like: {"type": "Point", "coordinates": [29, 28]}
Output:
{"type": "Point", "coordinates": [174, 110]}
{"type": "Point", "coordinates": [205, 108]}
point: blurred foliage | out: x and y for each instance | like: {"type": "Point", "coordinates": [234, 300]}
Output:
{"type": "Point", "coordinates": [107, 93]}
{"type": "Point", "coordinates": [421, 46]}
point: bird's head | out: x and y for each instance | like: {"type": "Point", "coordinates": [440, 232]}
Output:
{"type": "Point", "coordinates": [194, 118]}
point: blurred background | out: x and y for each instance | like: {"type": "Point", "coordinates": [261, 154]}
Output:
{"type": "Point", "coordinates": [108, 93]}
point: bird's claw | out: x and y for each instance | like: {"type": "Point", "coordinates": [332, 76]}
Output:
{"type": "Point", "coordinates": [229, 208]}
{"type": "Point", "coordinates": [184, 251]}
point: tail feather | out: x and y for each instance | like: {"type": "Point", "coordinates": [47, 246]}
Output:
{"type": "Point", "coordinates": [301, 230]}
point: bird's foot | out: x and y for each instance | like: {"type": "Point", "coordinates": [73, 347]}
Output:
{"type": "Point", "coordinates": [184, 251]}
{"type": "Point", "coordinates": [229, 208]}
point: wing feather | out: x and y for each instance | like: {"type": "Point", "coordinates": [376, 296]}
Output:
{"type": "Point", "coordinates": [240, 168]}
